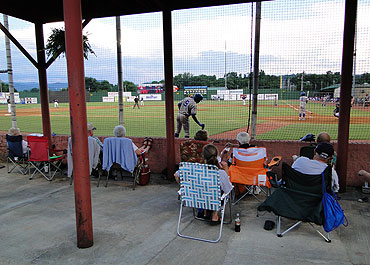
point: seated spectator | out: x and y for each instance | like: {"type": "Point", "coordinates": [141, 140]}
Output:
{"type": "Point", "coordinates": [120, 131]}
{"type": "Point", "coordinates": [243, 139]}
{"type": "Point", "coordinates": [210, 154]}
{"type": "Point", "coordinates": [323, 153]}
{"type": "Point", "coordinates": [191, 150]}
{"type": "Point", "coordinates": [201, 135]}
{"type": "Point", "coordinates": [90, 132]}
{"type": "Point", "coordinates": [325, 137]}
{"type": "Point", "coordinates": [321, 137]}
{"type": "Point", "coordinates": [15, 132]}
{"type": "Point", "coordinates": [94, 152]}
{"type": "Point", "coordinates": [365, 189]}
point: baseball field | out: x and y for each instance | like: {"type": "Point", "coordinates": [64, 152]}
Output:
{"type": "Point", "coordinates": [223, 119]}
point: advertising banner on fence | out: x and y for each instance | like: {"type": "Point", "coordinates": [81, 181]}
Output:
{"type": "Point", "coordinates": [236, 91]}
{"type": "Point", "coordinates": [30, 100]}
{"type": "Point", "coordinates": [115, 94]}
{"type": "Point", "coordinates": [223, 92]}
{"type": "Point", "coordinates": [108, 99]}
{"type": "Point", "coordinates": [151, 96]}
{"type": "Point", "coordinates": [271, 96]}
{"type": "Point", "coordinates": [230, 97]}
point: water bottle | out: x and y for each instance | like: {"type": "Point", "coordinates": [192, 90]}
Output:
{"type": "Point", "coordinates": [237, 223]}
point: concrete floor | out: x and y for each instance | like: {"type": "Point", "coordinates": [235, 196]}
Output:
{"type": "Point", "coordinates": [37, 226]}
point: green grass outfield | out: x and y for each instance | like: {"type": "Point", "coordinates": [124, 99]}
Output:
{"type": "Point", "coordinates": [222, 119]}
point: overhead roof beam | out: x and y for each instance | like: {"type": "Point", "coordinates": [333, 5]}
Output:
{"type": "Point", "coordinates": [18, 45]}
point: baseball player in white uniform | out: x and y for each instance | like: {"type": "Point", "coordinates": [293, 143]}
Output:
{"type": "Point", "coordinates": [302, 106]}
{"type": "Point", "coordinates": [187, 107]}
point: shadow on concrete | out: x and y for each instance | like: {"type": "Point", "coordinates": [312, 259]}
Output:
{"type": "Point", "coordinates": [37, 226]}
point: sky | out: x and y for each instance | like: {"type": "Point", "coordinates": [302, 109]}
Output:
{"type": "Point", "coordinates": [296, 36]}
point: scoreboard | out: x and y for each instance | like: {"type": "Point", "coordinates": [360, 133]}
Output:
{"type": "Point", "coordinates": [191, 90]}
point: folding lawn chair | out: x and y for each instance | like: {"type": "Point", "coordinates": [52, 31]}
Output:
{"type": "Point", "coordinates": [200, 188]}
{"type": "Point", "coordinates": [250, 168]}
{"type": "Point", "coordinates": [16, 158]}
{"type": "Point", "coordinates": [299, 197]}
{"type": "Point", "coordinates": [94, 152]}
{"type": "Point", "coordinates": [40, 159]}
{"type": "Point", "coordinates": [120, 151]}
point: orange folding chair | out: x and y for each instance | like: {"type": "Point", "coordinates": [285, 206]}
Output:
{"type": "Point", "coordinates": [249, 168]}
{"type": "Point", "coordinates": [40, 159]}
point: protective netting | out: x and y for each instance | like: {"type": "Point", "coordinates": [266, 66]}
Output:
{"type": "Point", "coordinates": [300, 51]}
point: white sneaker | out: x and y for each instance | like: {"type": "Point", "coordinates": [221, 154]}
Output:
{"type": "Point", "coordinates": [256, 190]}
{"type": "Point", "coordinates": [300, 118]}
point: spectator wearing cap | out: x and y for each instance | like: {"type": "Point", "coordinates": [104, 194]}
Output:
{"type": "Point", "coordinates": [90, 132]}
{"type": "Point", "coordinates": [323, 154]}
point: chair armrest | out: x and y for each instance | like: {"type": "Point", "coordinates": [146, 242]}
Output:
{"type": "Point", "coordinates": [272, 177]}
{"type": "Point", "coordinates": [275, 161]}
{"type": "Point", "coordinates": [226, 194]}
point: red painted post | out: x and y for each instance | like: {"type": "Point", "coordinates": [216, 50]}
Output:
{"type": "Point", "coordinates": [77, 105]}
{"type": "Point", "coordinates": [168, 73]}
{"type": "Point", "coordinates": [345, 91]}
{"type": "Point", "coordinates": [44, 94]}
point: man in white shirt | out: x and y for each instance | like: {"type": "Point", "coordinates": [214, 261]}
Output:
{"type": "Point", "coordinates": [323, 153]}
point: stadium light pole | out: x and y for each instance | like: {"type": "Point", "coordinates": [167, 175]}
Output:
{"type": "Point", "coordinates": [10, 75]}
{"type": "Point", "coordinates": [119, 69]}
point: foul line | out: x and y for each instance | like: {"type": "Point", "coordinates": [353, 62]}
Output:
{"type": "Point", "coordinates": [291, 106]}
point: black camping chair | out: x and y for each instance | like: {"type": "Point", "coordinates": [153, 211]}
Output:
{"type": "Point", "coordinates": [16, 159]}
{"type": "Point", "coordinates": [299, 197]}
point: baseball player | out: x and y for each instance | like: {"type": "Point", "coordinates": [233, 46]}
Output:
{"type": "Point", "coordinates": [56, 103]}
{"type": "Point", "coordinates": [336, 111]}
{"type": "Point", "coordinates": [244, 98]}
{"type": "Point", "coordinates": [187, 107]}
{"type": "Point", "coordinates": [9, 105]}
{"type": "Point", "coordinates": [302, 106]}
{"type": "Point", "coordinates": [136, 100]}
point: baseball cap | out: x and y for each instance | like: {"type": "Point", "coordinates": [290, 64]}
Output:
{"type": "Point", "coordinates": [198, 97]}
{"type": "Point", "coordinates": [90, 126]}
{"type": "Point", "coordinates": [325, 150]}
{"type": "Point", "coordinates": [303, 93]}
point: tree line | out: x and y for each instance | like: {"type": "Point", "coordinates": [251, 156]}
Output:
{"type": "Point", "coordinates": [233, 81]}
{"type": "Point", "coordinates": [244, 81]}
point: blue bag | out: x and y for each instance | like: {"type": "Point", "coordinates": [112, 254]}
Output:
{"type": "Point", "coordinates": [333, 213]}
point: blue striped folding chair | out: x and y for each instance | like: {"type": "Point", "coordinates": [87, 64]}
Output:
{"type": "Point", "coordinates": [200, 188]}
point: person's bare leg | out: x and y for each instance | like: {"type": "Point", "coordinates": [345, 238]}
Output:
{"type": "Point", "coordinates": [365, 175]}
{"type": "Point", "coordinates": [215, 216]}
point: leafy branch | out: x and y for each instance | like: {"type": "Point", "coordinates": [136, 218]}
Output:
{"type": "Point", "coordinates": [56, 44]}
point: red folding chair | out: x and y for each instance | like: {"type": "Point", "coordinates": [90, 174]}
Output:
{"type": "Point", "coordinates": [40, 158]}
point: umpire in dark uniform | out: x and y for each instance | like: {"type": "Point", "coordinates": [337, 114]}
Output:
{"type": "Point", "coordinates": [187, 107]}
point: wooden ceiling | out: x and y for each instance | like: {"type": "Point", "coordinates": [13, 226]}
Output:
{"type": "Point", "coordinates": [45, 11]}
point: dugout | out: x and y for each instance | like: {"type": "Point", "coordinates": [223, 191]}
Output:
{"type": "Point", "coordinates": [72, 13]}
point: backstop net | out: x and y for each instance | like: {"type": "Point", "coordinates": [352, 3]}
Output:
{"type": "Point", "coordinates": [300, 56]}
